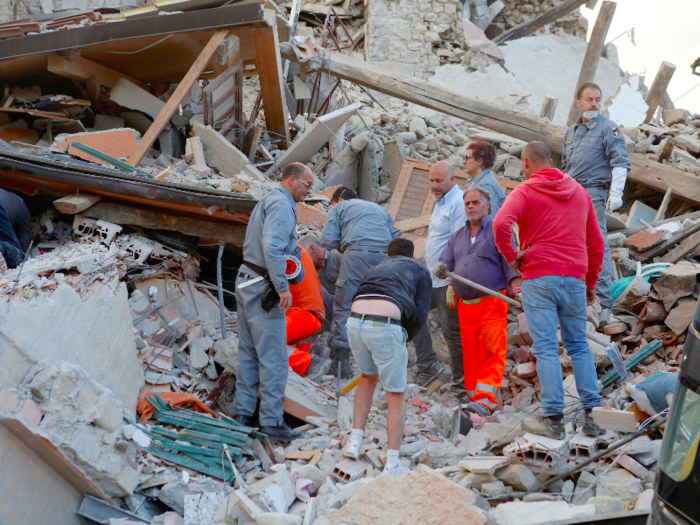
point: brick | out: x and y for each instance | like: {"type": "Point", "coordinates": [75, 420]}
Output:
{"type": "Point", "coordinates": [615, 328]}
{"type": "Point", "coordinates": [611, 419]}
{"type": "Point", "coordinates": [9, 402]}
{"type": "Point", "coordinates": [644, 240]}
{"type": "Point", "coordinates": [635, 468]}
{"type": "Point", "coordinates": [526, 370]}
{"type": "Point", "coordinates": [524, 330]}
{"type": "Point", "coordinates": [31, 413]}
{"type": "Point", "coordinates": [310, 216]}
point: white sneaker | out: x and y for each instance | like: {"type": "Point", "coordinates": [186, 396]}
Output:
{"type": "Point", "coordinates": [399, 469]}
{"type": "Point", "coordinates": [352, 449]}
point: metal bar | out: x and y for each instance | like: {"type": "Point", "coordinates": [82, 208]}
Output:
{"type": "Point", "coordinates": [220, 285]}
{"type": "Point", "coordinates": [484, 289]}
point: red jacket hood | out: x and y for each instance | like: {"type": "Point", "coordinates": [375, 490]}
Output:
{"type": "Point", "coordinates": [554, 183]}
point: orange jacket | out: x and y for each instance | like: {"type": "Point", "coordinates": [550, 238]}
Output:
{"type": "Point", "coordinates": [308, 294]}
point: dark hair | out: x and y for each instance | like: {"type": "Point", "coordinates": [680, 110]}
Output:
{"type": "Point", "coordinates": [583, 87]}
{"type": "Point", "coordinates": [343, 192]}
{"type": "Point", "coordinates": [295, 168]}
{"type": "Point", "coordinates": [400, 246]}
{"type": "Point", "coordinates": [483, 150]}
{"type": "Point", "coordinates": [536, 152]}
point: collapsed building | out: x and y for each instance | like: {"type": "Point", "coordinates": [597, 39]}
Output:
{"type": "Point", "coordinates": [142, 135]}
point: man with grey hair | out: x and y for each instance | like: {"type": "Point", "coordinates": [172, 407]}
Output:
{"type": "Point", "coordinates": [471, 253]}
{"type": "Point", "coordinates": [448, 217]}
{"type": "Point", "coordinates": [327, 263]}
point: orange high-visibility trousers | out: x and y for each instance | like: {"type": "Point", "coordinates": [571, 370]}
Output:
{"type": "Point", "coordinates": [483, 327]}
{"type": "Point", "coordinates": [301, 324]}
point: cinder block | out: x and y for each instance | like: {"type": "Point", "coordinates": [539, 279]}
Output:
{"type": "Point", "coordinates": [635, 468]}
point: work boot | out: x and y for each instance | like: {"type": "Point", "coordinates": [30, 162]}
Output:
{"type": "Point", "coordinates": [341, 365]}
{"type": "Point", "coordinates": [242, 419]}
{"type": "Point", "coordinates": [281, 432]}
{"type": "Point", "coordinates": [427, 376]}
{"type": "Point", "coordinates": [545, 426]}
{"type": "Point", "coordinates": [589, 426]}
{"type": "Point", "coordinates": [479, 409]}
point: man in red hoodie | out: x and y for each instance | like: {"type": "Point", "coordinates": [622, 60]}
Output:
{"type": "Point", "coordinates": [561, 257]}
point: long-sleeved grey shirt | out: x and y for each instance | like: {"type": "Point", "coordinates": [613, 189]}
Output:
{"type": "Point", "coordinates": [271, 235]}
{"type": "Point", "coordinates": [331, 269]}
{"type": "Point", "coordinates": [358, 223]}
{"type": "Point", "coordinates": [592, 150]}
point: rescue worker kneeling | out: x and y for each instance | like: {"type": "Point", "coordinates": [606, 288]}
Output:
{"type": "Point", "coordinates": [472, 253]}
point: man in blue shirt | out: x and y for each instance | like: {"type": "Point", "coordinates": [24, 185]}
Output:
{"type": "Point", "coordinates": [472, 253]}
{"type": "Point", "coordinates": [361, 231]}
{"type": "Point", "coordinates": [594, 155]}
{"type": "Point", "coordinates": [448, 217]}
{"type": "Point", "coordinates": [262, 334]}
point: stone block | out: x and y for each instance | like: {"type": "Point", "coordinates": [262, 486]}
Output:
{"type": "Point", "coordinates": [494, 488]}
{"type": "Point", "coordinates": [344, 169]}
{"type": "Point", "coordinates": [368, 179]}
{"type": "Point", "coordinates": [643, 501]}
{"type": "Point", "coordinates": [673, 116]}
{"type": "Point", "coordinates": [219, 153]}
{"type": "Point", "coordinates": [226, 352]}
{"type": "Point", "coordinates": [392, 162]}
{"type": "Point", "coordinates": [518, 476]}
{"type": "Point", "coordinates": [389, 28]}
{"type": "Point", "coordinates": [526, 513]}
{"type": "Point", "coordinates": [30, 413]}
{"type": "Point", "coordinates": [419, 127]}
{"type": "Point", "coordinates": [606, 504]}
{"type": "Point", "coordinates": [629, 464]}
{"type": "Point", "coordinates": [109, 413]}
{"type": "Point", "coordinates": [619, 484]}
{"type": "Point", "coordinates": [611, 419]}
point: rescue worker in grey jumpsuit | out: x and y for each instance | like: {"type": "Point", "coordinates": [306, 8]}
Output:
{"type": "Point", "coordinates": [594, 155]}
{"type": "Point", "coordinates": [262, 350]}
{"type": "Point", "coordinates": [361, 231]}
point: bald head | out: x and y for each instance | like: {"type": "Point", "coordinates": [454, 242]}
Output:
{"type": "Point", "coordinates": [535, 157]}
{"type": "Point", "coordinates": [442, 178]}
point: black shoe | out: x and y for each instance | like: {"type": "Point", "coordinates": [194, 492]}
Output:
{"type": "Point", "coordinates": [427, 376]}
{"type": "Point", "coordinates": [281, 432]}
{"type": "Point", "coordinates": [479, 409]}
{"type": "Point", "coordinates": [341, 364]}
{"type": "Point", "coordinates": [242, 419]}
{"type": "Point", "coordinates": [589, 426]}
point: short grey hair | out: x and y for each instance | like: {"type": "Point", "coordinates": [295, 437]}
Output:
{"type": "Point", "coordinates": [475, 187]}
{"type": "Point", "coordinates": [311, 240]}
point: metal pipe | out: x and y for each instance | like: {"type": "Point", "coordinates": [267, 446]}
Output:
{"type": "Point", "coordinates": [220, 285]}
{"type": "Point", "coordinates": [484, 289]}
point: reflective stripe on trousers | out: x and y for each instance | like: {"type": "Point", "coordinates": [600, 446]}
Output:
{"type": "Point", "coordinates": [484, 346]}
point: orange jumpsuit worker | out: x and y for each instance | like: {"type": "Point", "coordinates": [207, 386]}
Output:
{"type": "Point", "coordinates": [307, 314]}
{"type": "Point", "coordinates": [471, 252]}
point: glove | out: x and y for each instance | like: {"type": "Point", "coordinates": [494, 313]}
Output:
{"type": "Point", "coordinates": [440, 270]}
{"type": "Point", "coordinates": [451, 298]}
{"type": "Point", "coordinates": [614, 201]}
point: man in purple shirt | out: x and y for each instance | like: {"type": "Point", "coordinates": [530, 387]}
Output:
{"type": "Point", "coordinates": [471, 252]}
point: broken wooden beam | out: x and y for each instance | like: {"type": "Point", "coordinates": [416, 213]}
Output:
{"type": "Point", "coordinates": [668, 244]}
{"type": "Point", "coordinates": [545, 18]}
{"type": "Point", "coordinates": [76, 203]}
{"type": "Point", "coordinates": [497, 118]}
{"type": "Point", "coordinates": [411, 224]}
{"type": "Point", "coordinates": [183, 89]}
{"type": "Point", "coordinates": [683, 249]}
{"type": "Point", "coordinates": [233, 233]}
{"type": "Point", "coordinates": [658, 88]}
{"type": "Point", "coordinates": [592, 56]}
{"type": "Point", "coordinates": [269, 66]}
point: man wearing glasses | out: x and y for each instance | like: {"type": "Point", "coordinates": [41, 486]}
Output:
{"type": "Point", "coordinates": [262, 333]}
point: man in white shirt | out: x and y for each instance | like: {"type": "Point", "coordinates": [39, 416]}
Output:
{"type": "Point", "coordinates": [448, 217]}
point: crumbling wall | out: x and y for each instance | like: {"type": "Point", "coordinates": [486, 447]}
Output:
{"type": "Point", "coordinates": [402, 34]}
{"type": "Point", "coordinates": [94, 331]}
{"type": "Point", "coordinates": [6, 9]}
{"type": "Point", "coordinates": [516, 12]}
{"type": "Point", "coordinates": [83, 420]}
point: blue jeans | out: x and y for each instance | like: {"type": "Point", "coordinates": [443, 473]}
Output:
{"type": "Point", "coordinates": [546, 300]}
{"type": "Point", "coordinates": [9, 244]}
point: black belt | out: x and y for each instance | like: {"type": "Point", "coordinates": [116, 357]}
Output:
{"type": "Point", "coordinates": [379, 318]}
{"type": "Point", "coordinates": [257, 269]}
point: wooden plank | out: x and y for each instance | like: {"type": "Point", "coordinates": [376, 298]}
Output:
{"type": "Point", "coordinates": [545, 18]}
{"type": "Point", "coordinates": [400, 189]}
{"type": "Point", "coordinates": [269, 66]}
{"type": "Point", "coordinates": [682, 249]}
{"type": "Point", "coordinates": [664, 205]}
{"type": "Point", "coordinates": [82, 69]}
{"type": "Point", "coordinates": [666, 245]}
{"type": "Point", "coordinates": [183, 90]}
{"type": "Point", "coordinates": [592, 56]}
{"type": "Point", "coordinates": [658, 88]}
{"type": "Point", "coordinates": [121, 214]}
{"type": "Point", "coordinates": [412, 224]}
{"type": "Point", "coordinates": [76, 203]}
